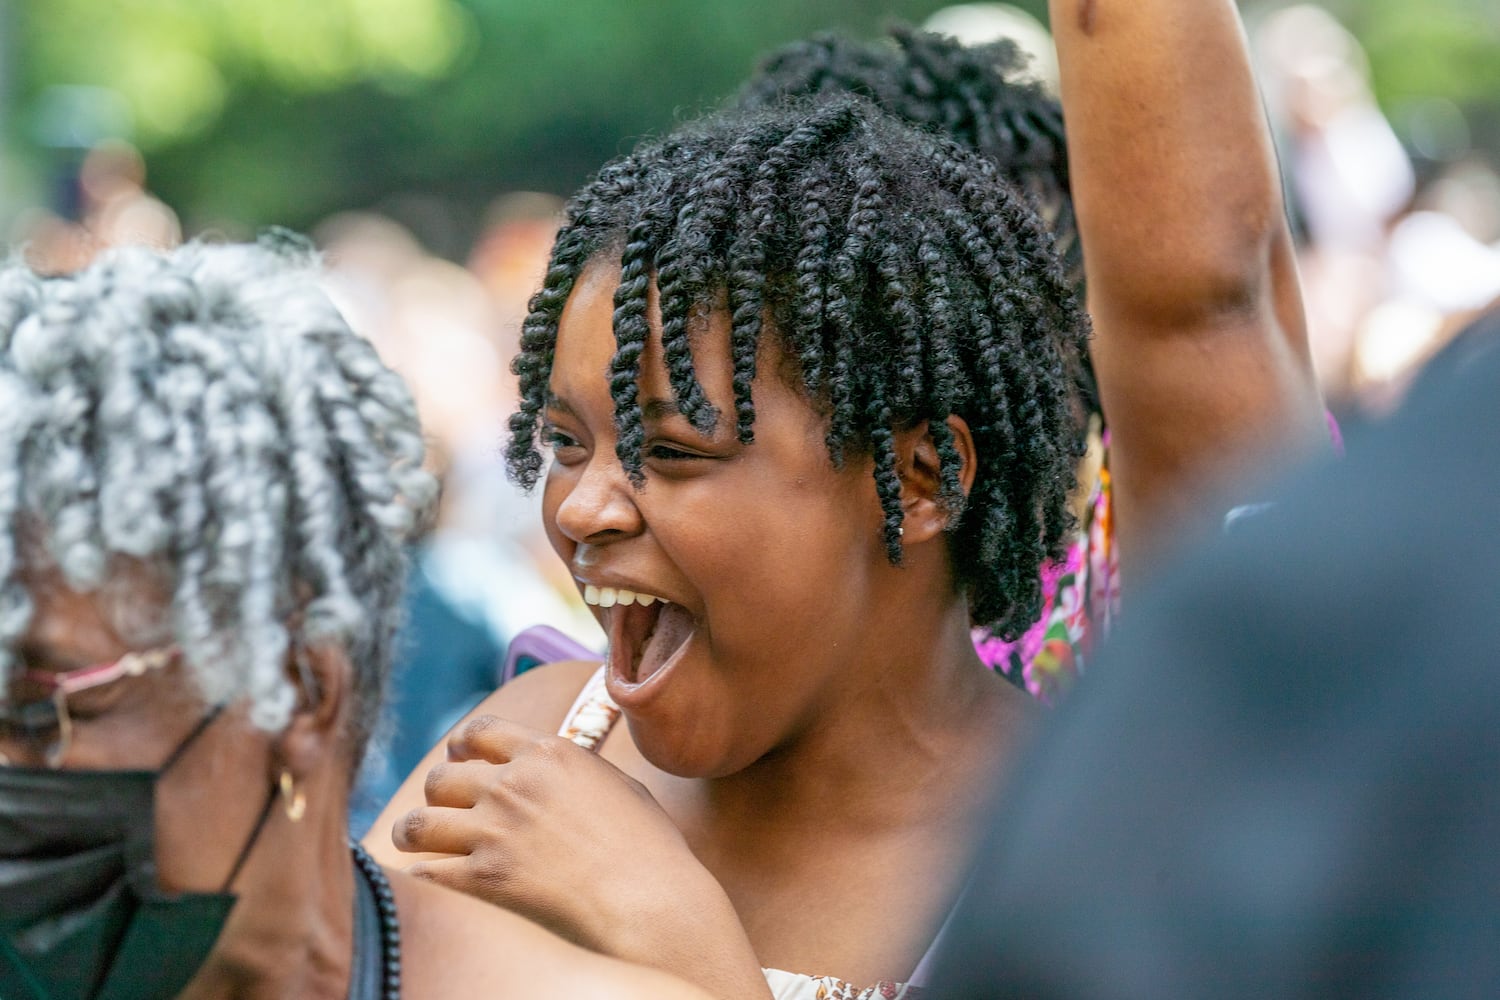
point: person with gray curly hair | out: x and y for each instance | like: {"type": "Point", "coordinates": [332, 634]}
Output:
{"type": "Point", "coordinates": [207, 484]}
{"type": "Point", "coordinates": [211, 414]}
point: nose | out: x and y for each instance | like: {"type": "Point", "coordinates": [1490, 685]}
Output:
{"type": "Point", "coordinates": [599, 504]}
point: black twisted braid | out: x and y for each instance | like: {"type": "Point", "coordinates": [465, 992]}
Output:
{"type": "Point", "coordinates": [852, 238]}
{"type": "Point", "coordinates": [978, 96]}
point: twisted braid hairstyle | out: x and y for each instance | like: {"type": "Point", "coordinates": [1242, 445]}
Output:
{"type": "Point", "coordinates": [977, 96]}
{"type": "Point", "coordinates": [905, 282]}
{"type": "Point", "coordinates": [208, 414]}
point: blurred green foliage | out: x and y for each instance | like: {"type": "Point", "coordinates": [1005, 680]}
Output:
{"type": "Point", "coordinates": [1428, 48]}
{"type": "Point", "coordinates": [177, 63]}
{"type": "Point", "coordinates": [254, 111]}
{"type": "Point", "coordinates": [251, 111]}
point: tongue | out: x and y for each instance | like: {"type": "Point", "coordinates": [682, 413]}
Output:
{"type": "Point", "coordinates": [674, 626]}
{"type": "Point", "coordinates": [629, 628]}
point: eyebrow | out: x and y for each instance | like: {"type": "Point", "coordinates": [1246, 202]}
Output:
{"type": "Point", "coordinates": [560, 405]}
{"type": "Point", "coordinates": [657, 408]}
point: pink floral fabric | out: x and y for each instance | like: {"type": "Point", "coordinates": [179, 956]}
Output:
{"type": "Point", "coordinates": [1080, 598]}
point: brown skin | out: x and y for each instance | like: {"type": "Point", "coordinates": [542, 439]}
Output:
{"type": "Point", "coordinates": [290, 933]}
{"type": "Point", "coordinates": [1200, 343]}
{"type": "Point", "coordinates": [802, 744]}
{"type": "Point", "coordinates": [828, 755]}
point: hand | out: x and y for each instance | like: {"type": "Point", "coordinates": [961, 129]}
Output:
{"type": "Point", "coordinates": [544, 828]}
{"type": "Point", "coordinates": [539, 826]}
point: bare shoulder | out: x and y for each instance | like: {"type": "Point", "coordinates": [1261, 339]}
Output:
{"type": "Point", "coordinates": [541, 696]}
{"type": "Point", "coordinates": [453, 945]}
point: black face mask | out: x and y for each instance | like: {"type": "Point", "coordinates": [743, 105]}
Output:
{"type": "Point", "coordinates": [82, 916]}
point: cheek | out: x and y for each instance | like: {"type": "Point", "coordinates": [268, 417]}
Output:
{"type": "Point", "coordinates": [207, 808]}
{"type": "Point", "coordinates": [554, 491]}
{"type": "Point", "coordinates": [135, 724]}
{"type": "Point", "coordinates": [794, 552]}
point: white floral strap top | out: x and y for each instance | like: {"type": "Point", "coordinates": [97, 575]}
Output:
{"type": "Point", "coordinates": [588, 722]}
{"type": "Point", "coordinates": [593, 715]}
{"type": "Point", "coordinates": [794, 986]}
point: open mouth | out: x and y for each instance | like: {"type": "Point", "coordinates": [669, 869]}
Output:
{"type": "Point", "coordinates": [646, 633]}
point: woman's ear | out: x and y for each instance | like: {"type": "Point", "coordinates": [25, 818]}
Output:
{"type": "Point", "coordinates": [322, 676]}
{"type": "Point", "coordinates": [927, 494]}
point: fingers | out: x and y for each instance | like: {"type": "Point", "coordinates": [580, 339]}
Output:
{"type": "Point", "coordinates": [455, 873]}
{"type": "Point", "coordinates": [443, 871]}
{"type": "Point", "coordinates": [495, 880]}
{"type": "Point", "coordinates": [433, 830]}
{"type": "Point", "coordinates": [489, 877]}
{"type": "Point", "coordinates": [449, 824]}
{"type": "Point", "coordinates": [459, 785]}
{"type": "Point", "coordinates": [491, 738]}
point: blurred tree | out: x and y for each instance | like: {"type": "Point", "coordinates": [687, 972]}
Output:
{"type": "Point", "coordinates": [284, 110]}
{"type": "Point", "coordinates": [177, 62]}
{"type": "Point", "coordinates": [1435, 48]}
{"type": "Point", "coordinates": [254, 111]}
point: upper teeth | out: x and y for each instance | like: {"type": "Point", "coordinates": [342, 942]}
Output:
{"type": "Point", "coordinates": [608, 597]}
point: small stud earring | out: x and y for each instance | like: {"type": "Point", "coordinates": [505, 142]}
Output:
{"type": "Point", "coordinates": [292, 798]}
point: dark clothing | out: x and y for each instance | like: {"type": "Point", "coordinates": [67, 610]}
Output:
{"type": "Point", "coordinates": [445, 664]}
{"type": "Point", "coordinates": [1283, 778]}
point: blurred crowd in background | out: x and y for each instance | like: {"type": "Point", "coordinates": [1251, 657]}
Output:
{"type": "Point", "coordinates": [1397, 210]}
{"type": "Point", "coordinates": [1400, 241]}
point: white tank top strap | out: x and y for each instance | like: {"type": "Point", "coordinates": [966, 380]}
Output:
{"type": "Point", "coordinates": [593, 715]}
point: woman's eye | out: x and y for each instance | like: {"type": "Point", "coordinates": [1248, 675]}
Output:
{"type": "Point", "coordinates": [558, 441]}
{"type": "Point", "coordinates": [667, 453]}
{"type": "Point", "coordinates": [565, 449]}
{"type": "Point", "coordinates": [29, 719]}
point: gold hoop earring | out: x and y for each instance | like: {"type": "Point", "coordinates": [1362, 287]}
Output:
{"type": "Point", "coordinates": [292, 799]}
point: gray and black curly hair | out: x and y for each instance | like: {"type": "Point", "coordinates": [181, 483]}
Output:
{"type": "Point", "coordinates": [206, 412]}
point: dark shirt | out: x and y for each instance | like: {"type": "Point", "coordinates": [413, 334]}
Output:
{"type": "Point", "coordinates": [1282, 779]}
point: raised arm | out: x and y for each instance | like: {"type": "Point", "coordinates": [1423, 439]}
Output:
{"type": "Point", "coordinates": [1200, 343]}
